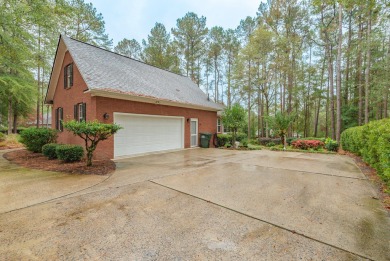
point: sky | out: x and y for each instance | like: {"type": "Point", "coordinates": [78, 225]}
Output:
{"type": "Point", "coordinates": [135, 18]}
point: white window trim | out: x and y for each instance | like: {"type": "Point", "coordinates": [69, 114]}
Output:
{"type": "Point", "coordinates": [219, 125]}
{"type": "Point", "coordinates": [68, 76]}
{"type": "Point", "coordinates": [60, 111]}
{"type": "Point", "coordinates": [80, 112]}
{"type": "Point", "coordinates": [197, 132]}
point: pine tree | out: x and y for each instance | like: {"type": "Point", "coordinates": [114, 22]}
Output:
{"type": "Point", "coordinates": [189, 34]}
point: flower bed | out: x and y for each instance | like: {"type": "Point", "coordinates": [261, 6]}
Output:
{"type": "Point", "coordinates": [307, 144]}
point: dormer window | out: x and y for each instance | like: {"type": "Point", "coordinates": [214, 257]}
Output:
{"type": "Point", "coordinates": [68, 76]}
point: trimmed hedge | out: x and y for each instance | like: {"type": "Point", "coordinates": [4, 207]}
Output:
{"type": "Point", "coordinates": [35, 138]}
{"type": "Point", "coordinates": [372, 142]}
{"type": "Point", "coordinates": [222, 139]}
{"type": "Point", "coordinates": [69, 153]}
{"type": "Point", "coordinates": [49, 150]}
{"type": "Point", "coordinates": [266, 141]}
{"type": "Point", "coordinates": [227, 139]}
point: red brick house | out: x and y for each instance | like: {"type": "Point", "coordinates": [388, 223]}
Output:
{"type": "Point", "coordinates": [158, 110]}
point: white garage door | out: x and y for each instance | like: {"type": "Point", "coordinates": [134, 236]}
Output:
{"type": "Point", "coordinates": [147, 133]}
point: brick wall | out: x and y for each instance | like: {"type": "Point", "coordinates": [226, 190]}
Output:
{"type": "Point", "coordinates": [97, 106]}
{"type": "Point", "coordinates": [67, 98]}
{"type": "Point", "coordinates": [207, 120]}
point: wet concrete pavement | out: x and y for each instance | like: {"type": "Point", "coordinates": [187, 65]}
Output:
{"type": "Point", "coordinates": [21, 187]}
{"type": "Point", "coordinates": [200, 204]}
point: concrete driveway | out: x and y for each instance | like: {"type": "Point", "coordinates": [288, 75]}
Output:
{"type": "Point", "coordinates": [199, 204]}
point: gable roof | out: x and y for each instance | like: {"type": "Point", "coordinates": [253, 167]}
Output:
{"type": "Point", "coordinates": [112, 75]}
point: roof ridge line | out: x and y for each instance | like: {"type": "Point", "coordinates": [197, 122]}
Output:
{"type": "Point", "coordinates": [124, 56]}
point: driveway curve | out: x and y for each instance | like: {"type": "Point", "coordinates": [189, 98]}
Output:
{"type": "Point", "coordinates": [196, 204]}
{"type": "Point", "coordinates": [21, 187]}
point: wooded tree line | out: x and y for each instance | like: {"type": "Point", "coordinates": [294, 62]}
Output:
{"type": "Point", "coordinates": [29, 31]}
{"type": "Point", "coordinates": [327, 62]}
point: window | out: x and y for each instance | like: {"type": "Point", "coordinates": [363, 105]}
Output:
{"type": "Point", "coordinates": [219, 129]}
{"type": "Point", "coordinates": [59, 118]}
{"type": "Point", "coordinates": [80, 112]}
{"type": "Point", "coordinates": [68, 76]}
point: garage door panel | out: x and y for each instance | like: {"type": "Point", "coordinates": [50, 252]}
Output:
{"type": "Point", "coordinates": [144, 133]}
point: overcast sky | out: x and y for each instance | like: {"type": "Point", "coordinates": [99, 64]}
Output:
{"type": "Point", "coordinates": [134, 18]}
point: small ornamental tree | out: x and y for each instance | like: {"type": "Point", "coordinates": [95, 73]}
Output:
{"type": "Point", "coordinates": [280, 123]}
{"type": "Point", "coordinates": [92, 133]}
{"type": "Point", "coordinates": [234, 118]}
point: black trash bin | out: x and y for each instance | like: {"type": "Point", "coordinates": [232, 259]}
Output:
{"type": "Point", "coordinates": [205, 138]}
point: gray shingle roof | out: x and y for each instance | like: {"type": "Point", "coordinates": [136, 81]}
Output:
{"type": "Point", "coordinates": [108, 71]}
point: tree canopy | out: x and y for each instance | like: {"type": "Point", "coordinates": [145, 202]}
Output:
{"type": "Point", "coordinates": [327, 62]}
{"type": "Point", "coordinates": [234, 119]}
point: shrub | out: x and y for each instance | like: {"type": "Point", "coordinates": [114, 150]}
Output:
{"type": "Point", "coordinates": [244, 142]}
{"type": "Point", "coordinates": [254, 147]}
{"type": "Point", "coordinates": [270, 144]}
{"type": "Point", "coordinates": [372, 142]}
{"type": "Point", "coordinates": [265, 141]}
{"type": "Point", "coordinates": [35, 138]}
{"type": "Point", "coordinates": [69, 153]}
{"type": "Point", "coordinates": [91, 133]}
{"type": "Point", "coordinates": [2, 137]}
{"type": "Point", "coordinates": [307, 144]}
{"type": "Point", "coordinates": [227, 145]}
{"type": "Point", "coordinates": [49, 150]}
{"type": "Point", "coordinates": [18, 130]}
{"type": "Point", "coordinates": [222, 139]}
{"type": "Point", "coordinates": [290, 140]}
{"type": "Point", "coordinates": [331, 145]}
{"type": "Point", "coordinates": [240, 136]}
{"type": "Point", "coordinates": [313, 138]}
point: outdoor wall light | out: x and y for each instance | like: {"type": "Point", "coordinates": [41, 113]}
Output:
{"type": "Point", "coordinates": [106, 116]}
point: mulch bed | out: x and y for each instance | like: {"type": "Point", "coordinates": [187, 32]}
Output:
{"type": "Point", "coordinates": [371, 174]}
{"type": "Point", "coordinates": [32, 160]}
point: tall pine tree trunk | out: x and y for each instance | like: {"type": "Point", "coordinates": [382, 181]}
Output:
{"type": "Point", "coordinates": [15, 122]}
{"type": "Point", "coordinates": [346, 89]}
{"type": "Point", "coordinates": [266, 114]}
{"type": "Point", "coordinates": [229, 98]}
{"type": "Point", "coordinates": [258, 114]}
{"type": "Point", "coordinates": [39, 78]}
{"type": "Point", "coordinates": [331, 92]}
{"type": "Point", "coordinates": [215, 81]}
{"type": "Point", "coordinates": [385, 101]}
{"type": "Point", "coordinates": [319, 98]}
{"type": "Point", "coordinates": [359, 73]}
{"type": "Point", "coordinates": [367, 76]}
{"type": "Point", "coordinates": [249, 100]}
{"type": "Point", "coordinates": [338, 81]}
{"type": "Point", "coordinates": [9, 115]}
